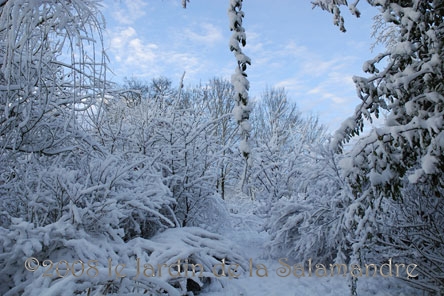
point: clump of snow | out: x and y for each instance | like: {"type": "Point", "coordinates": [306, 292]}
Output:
{"type": "Point", "coordinates": [428, 163]}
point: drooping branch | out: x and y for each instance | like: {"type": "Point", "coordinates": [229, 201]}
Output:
{"type": "Point", "coordinates": [184, 3]}
{"type": "Point", "coordinates": [239, 79]}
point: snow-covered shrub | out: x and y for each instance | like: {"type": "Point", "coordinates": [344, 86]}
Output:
{"type": "Point", "coordinates": [92, 183]}
{"type": "Point", "coordinates": [312, 223]}
{"type": "Point", "coordinates": [104, 190]}
{"type": "Point", "coordinates": [99, 209]}
{"type": "Point", "coordinates": [92, 264]}
{"type": "Point", "coordinates": [412, 230]}
{"type": "Point", "coordinates": [297, 180]}
{"type": "Point", "coordinates": [211, 213]}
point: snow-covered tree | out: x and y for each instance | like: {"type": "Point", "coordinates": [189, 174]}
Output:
{"type": "Point", "coordinates": [283, 140]}
{"type": "Point", "coordinates": [409, 91]}
{"type": "Point", "coordinates": [403, 158]}
{"type": "Point", "coordinates": [187, 137]}
{"type": "Point", "coordinates": [50, 68]}
{"type": "Point", "coordinates": [218, 99]}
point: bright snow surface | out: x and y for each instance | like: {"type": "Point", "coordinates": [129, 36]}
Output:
{"type": "Point", "coordinates": [247, 233]}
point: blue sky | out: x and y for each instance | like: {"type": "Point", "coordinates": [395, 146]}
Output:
{"type": "Point", "coordinates": [290, 45]}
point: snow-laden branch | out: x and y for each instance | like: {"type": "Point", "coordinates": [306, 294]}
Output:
{"type": "Point", "coordinates": [239, 79]}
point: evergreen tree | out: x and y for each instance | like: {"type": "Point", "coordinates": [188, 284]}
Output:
{"type": "Point", "coordinates": [409, 89]}
{"type": "Point", "coordinates": [400, 164]}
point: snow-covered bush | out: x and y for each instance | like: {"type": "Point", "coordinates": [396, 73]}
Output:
{"type": "Point", "coordinates": [412, 230]}
{"type": "Point", "coordinates": [312, 222]}
{"type": "Point", "coordinates": [92, 185]}
{"type": "Point", "coordinates": [100, 209]}
{"type": "Point", "coordinates": [91, 264]}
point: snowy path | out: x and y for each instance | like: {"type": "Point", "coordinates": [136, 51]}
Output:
{"type": "Point", "coordinates": [248, 235]}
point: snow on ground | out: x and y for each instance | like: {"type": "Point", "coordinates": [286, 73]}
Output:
{"type": "Point", "coordinates": [247, 233]}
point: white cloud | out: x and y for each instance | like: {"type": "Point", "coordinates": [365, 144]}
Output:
{"type": "Point", "coordinates": [255, 43]}
{"type": "Point", "coordinates": [130, 50]}
{"type": "Point", "coordinates": [317, 82]}
{"type": "Point", "coordinates": [295, 85]}
{"type": "Point", "coordinates": [293, 49]}
{"type": "Point", "coordinates": [205, 33]}
{"type": "Point", "coordinates": [334, 98]}
{"type": "Point", "coordinates": [130, 12]}
{"type": "Point", "coordinates": [137, 57]}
